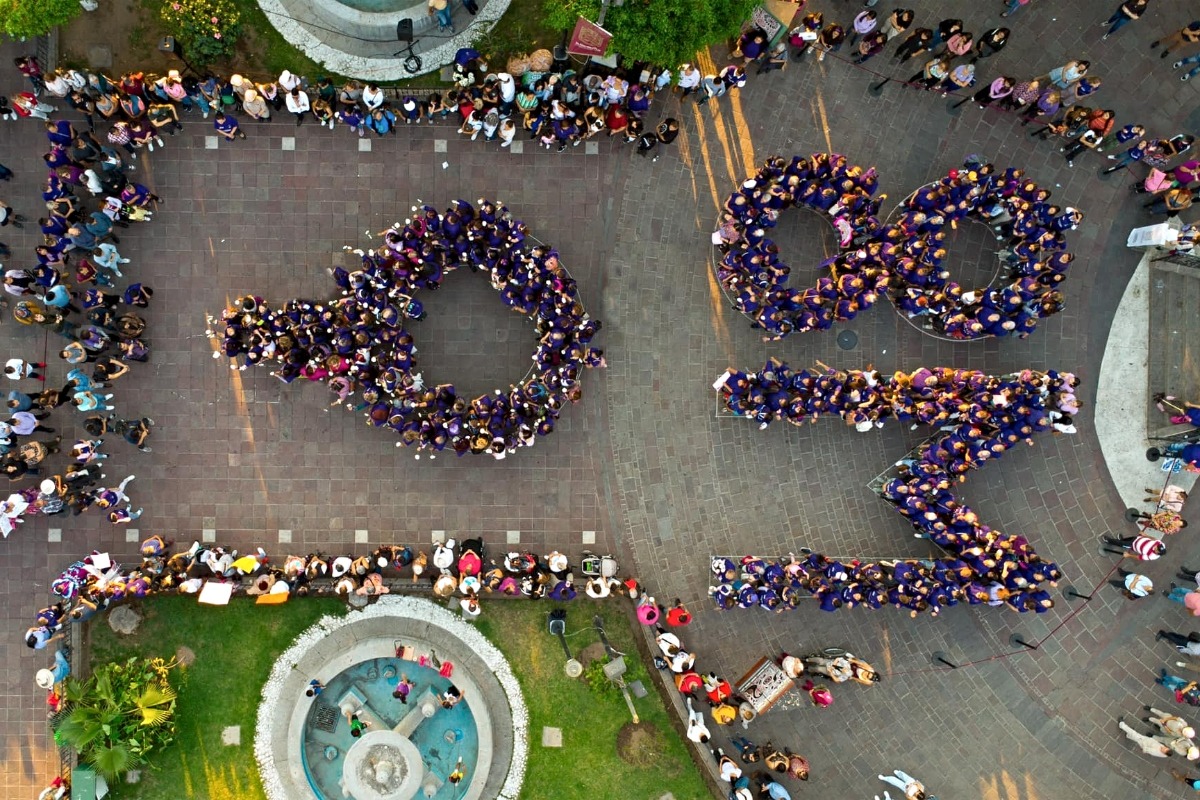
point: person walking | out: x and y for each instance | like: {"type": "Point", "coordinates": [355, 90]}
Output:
{"type": "Point", "coordinates": [913, 789]}
{"type": "Point", "coordinates": [1135, 153]}
{"type": "Point", "coordinates": [1014, 6]}
{"type": "Point", "coordinates": [9, 217]}
{"type": "Point", "coordinates": [1134, 585]}
{"type": "Point", "coordinates": [1148, 744]}
{"type": "Point", "coordinates": [697, 731]}
{"type": "Point", "coordinates": [666, 132]}
{"type": "Point", "coordinates": [49, 678]}
{"type": "Point", "coordinates": [1187, 597]}
{"type": "Point", "coordinates": [1188, 34]}
{"type": "Point", "coordinates": [1170, 724]}
{"type": "Point", "coordinates": [1186, 780]}
{"type": "Point", "coordinates": [441, 9]}
{"type": "Point", "coordinates": [1179, 745]}
{"type": "Point", "coordinates": [1142, 548]}
{"type": "Point", "coordinates": [17, 368]}
{"type": "Point", "coordinates": [1187, 76]}
{"type": "Point", "coordinates": [1184, 691]}
{"type": "Point", "coordinates": [1126, 13]}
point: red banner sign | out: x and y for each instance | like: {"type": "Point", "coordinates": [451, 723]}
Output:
{"type": "Point", "coordinates": [588, 39]}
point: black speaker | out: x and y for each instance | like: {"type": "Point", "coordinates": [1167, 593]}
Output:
{"type": "Point", "coordinates": [404, 30]}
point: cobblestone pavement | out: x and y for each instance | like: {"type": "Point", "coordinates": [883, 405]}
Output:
{"type": "Point", "coordinates": [644, 462]}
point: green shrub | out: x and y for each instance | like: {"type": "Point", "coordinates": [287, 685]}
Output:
{"type": "Point", "coordinates": [24, 19]}
{"type": "Point", "coordinates": [663, 32]}
{"type": "Point", "coordinates": [597, 681]}
{"type": "Point", "coordinates": [206, 29]}
{"type": "Point", "coordinates": [120, 715]}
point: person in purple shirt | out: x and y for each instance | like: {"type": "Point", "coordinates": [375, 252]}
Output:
{"type": "Point", "coordinates": [228, 127]}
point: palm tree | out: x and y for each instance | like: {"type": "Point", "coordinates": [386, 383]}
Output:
{"type": "Point", "coordinates": [119, 715]}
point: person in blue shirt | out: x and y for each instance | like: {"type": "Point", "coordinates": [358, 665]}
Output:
{"type": "Point", "coordinates": [1191, 781]}
{"type": "Point", "coordinates": [228, 127]}
{"type": "Point", "coordinates": [770, 788]}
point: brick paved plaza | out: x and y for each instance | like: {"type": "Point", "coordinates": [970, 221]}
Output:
{"type": "Point", "coordinates": [644, 463]}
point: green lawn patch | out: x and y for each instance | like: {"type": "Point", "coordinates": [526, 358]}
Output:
{"type": "Point", "coordinates": [588, 766]}
{"type": "Point", "coordinates": [236, 645]}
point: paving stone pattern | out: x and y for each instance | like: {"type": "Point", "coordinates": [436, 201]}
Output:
{"type": "Point", "coordinates": [1172, 367]}
{"type": "Point", "coordinates": [645, 464]}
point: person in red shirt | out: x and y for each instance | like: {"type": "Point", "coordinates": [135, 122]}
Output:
{"type": "Point", "coordinates": [678, 616]}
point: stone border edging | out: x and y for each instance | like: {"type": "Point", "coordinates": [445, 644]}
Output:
{"type": "Point", "coordinates": [408, 608]}
{"type": "Point", "coordinates": [375, 68]}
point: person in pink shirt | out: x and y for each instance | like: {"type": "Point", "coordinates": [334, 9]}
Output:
{"type": "Point", "coordinates": [959, 44]}
{"type": "Point", "coordinates": [1186, 596]}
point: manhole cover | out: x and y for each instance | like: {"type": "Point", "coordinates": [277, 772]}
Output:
{"type": "Point", "coordinates": [847, 340]}
{"type": "Point", "coordinates": [325, 717]}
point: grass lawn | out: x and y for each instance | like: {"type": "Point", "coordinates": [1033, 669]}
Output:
{"type": "Point", "coordinates": [588, 766]}
{"type": "Point", "coordinates": [236, 645]}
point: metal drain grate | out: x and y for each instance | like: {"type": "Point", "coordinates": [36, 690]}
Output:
{"type": "Point", "coordinates": [325, 717]}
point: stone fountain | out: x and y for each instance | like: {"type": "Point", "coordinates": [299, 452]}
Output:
{"type": "Point", "coordinates": [382, 765]}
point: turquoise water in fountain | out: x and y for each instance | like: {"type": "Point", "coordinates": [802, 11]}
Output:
{"type": "Point", "coordinates": [378, 6]}
{"type": "Point", "coordinates": [441, 740]}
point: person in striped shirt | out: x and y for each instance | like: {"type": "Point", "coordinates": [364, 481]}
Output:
{"type": "Point", "coordinates": [1142, 548]}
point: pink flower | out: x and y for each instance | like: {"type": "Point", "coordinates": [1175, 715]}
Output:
{"type": "Point", "coordinates": [216, 35]}
{"type": "Point", "coordinates": [214, 20]}
{"type": "Point", "coordinates": [175, 6]}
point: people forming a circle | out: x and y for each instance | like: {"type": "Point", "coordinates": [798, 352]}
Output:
{"type": "Point", "coordinates": [359, 346]}
{"type": "Point", "coordinates": [905, 257]}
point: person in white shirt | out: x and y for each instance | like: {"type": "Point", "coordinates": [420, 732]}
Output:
{"type": "Point", "coordinates": [913, 789]}
{"type": "Point", "coordinates": [1149, 745]}
{"type": "Point", "coordinates": [1170, 724]}
{"type": "Point", "coordinates": [697, 731]}
{"type": "Point", "coordinates": [372, 97]}
{"type": "Point", "coordinates": [1188, 645]}
{"type": "Point", "coordinates": [287, 81]}
{"type": "Point", "coordinates": [508, 131]}
{"type": "Point", "coordinates": [297, 103]}
{"type": "Point", "coordinates": [689, 79]}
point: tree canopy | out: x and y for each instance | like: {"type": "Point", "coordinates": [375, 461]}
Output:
{"type": "Point", "coordinates": [663, 32]}
{"type": "Point", "coordinates": [24, 19]}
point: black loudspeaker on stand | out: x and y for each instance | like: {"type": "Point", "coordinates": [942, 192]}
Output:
{"type": "Point", "coordinates": [404, 34]}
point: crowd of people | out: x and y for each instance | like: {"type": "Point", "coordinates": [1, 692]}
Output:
{"type": "Point", "coordinates": [458, 572]}
{"type": "Point", "coordinates": [954, 53]}
{"type": "Point", "coordinates": [905, 257]}
{"type": "Point", "coordinates": [72, 291]}
{"type": "Point", "coordinates": [555, 108]}
{"type": "Point", "coordinates": [359, 347]}
{"type": "Point", "coordinates": [980, 416]}
{"type": "Point", "coordinates": [452, 569]}
{"type": "Point", "coordinates": [752, 270]}
{"type": "Point", "coordinates": [1171, 735]}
